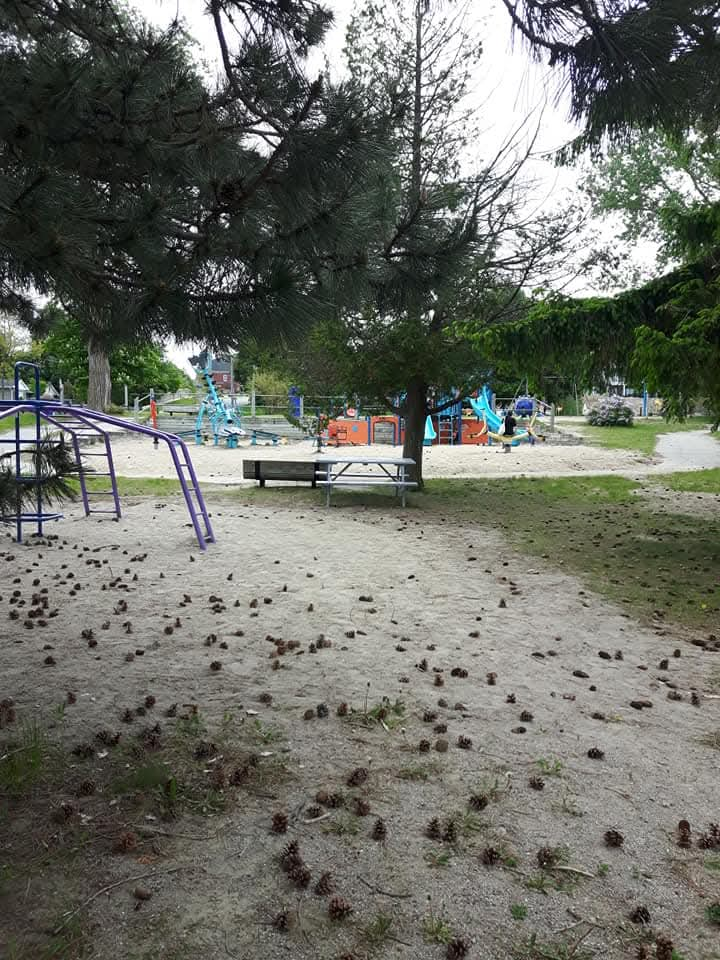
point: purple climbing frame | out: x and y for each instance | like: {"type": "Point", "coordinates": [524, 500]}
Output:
{"type": "Point", "coordinates": [81, 423]}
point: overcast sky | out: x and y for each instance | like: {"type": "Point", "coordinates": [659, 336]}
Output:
{"type": "Point", "coordinates": [509, 86]}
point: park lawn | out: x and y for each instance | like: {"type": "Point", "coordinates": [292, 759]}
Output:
{"type": "Point", "coordinates": [629, 548]}
{"type": "Point", "coordinates": [134, 486]}
{"type": "Point", "coordinates": [642, 436]}
{"type": "Point", "coordinates": [698, 481]}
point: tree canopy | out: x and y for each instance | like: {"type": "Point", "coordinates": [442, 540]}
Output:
{"type": "Point", "coordinates": [152, 204]}
{"type": "Point", "coordinates": [629, 64]}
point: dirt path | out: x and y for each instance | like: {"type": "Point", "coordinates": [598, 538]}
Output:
{"type": "Point", "coordinates": [398, 602]}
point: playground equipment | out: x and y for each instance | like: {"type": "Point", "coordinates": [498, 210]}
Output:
{"type": "Point", "coordinates": [430, 433]}
{"type": "Point", "coordinates": [482, 406]}
{"type": "Point", "coordinates": [82, 424]}
{"type": "Point", "coordinates": [224, 423]}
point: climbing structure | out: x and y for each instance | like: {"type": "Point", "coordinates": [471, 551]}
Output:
{"type": "Point", "coordinates": [82, 425]}
{"type": "Point", "coordinates": [224, 423]}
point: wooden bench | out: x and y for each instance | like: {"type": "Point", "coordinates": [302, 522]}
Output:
{"type": "Point", "coordinates": [297, 470]}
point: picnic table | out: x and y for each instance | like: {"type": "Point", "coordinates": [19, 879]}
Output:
{"type": "Point", "coordinates": [336, 471]}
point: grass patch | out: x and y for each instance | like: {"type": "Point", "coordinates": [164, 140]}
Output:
{"type": "Point", "coordinates": [518, 911]}
{"type": "Point", "coordinates": [697, 481]}
{"type": "Point", "coordinates": [534, 949]}
{"type": "Point", "coordinates": [21, 762]}
{"type": "Point", "coordinates": [135, 486]}
{"type": "Point", "coordinates": [418, 771]}
{"type": "Point", "coordinates": [438, 858]}
{"type": "Point", "coordinates": [712, 914]}
{"type": "Point", "coordinates": [377, 932]}
{"type": "Point", "coordinates": [436, 930]}
{"type": "Point", "coordinates": [642, 436]}
{"type": "Point", "coordinates": [621, 545]}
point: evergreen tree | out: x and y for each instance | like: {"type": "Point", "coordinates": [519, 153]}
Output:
{"type": "Point", "coordinates": [148, 204]}
{"type": "Point", "coordinates": [449, 244]}
{"type": "Point", "coordinates": [629, 64]}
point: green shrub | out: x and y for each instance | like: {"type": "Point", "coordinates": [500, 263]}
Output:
{"type": "Point", "coordinates": [612, 412]}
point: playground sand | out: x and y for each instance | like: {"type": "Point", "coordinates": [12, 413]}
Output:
{"type": "Point", "coordinates": [388, 593]}
{"type": "Point", "coordinates": [135, 457]}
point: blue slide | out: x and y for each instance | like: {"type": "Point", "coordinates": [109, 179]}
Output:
{"type": "Point", "coordinates": [430, 434]}
{"type": "Point", "coordinates": [483, 409]}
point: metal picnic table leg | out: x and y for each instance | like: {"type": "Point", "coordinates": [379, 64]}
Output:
{"type": "Point", "coordinates": [402, 478]}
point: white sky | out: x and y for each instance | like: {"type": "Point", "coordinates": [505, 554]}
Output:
{"type": "Point", "coordinates": [510, 86]}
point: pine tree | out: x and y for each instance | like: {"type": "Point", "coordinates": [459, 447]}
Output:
{"type": "Point", "coordinates": [149, 204]}
{"type": "Point", "coordinates": [629, 64]}
{"type": "Point", "coordinates": [448, 245]}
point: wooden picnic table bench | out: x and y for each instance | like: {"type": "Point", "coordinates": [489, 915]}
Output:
{"type": "Point", "coordinates": [262, 470]}
{"type": "Point", "coordinates": [337, 471]}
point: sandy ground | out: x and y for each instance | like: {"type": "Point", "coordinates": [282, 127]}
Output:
{"type": "Point", "coordinates": [135, 457]}
{"type": "Point", "coordinates": [390, 595]}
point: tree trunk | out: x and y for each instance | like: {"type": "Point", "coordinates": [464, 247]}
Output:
{"type": "Point", "coordinates": [415, 414]}
{"type": "Point", "coordinates": [99, 382]}
{"type": "Point", "coordinates": [416, 161]}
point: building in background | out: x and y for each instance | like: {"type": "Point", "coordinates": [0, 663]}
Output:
{"type": "Point", "coordinates": [220, 370]}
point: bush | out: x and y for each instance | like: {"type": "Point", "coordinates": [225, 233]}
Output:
{"type": "Point", "coordinates": [612, 412]}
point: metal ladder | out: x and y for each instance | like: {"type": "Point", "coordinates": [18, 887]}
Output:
{"type": "Point", "coordinates": [191, 491]}
{"type": "Point", "coordinates": [81, 429]}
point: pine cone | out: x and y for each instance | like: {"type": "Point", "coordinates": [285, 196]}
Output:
{"type": "Point", "coordinates": [457, 949]}
{"type": "Point", "coordinates": [279, 823]}
{"type": "Point", "coordinates": [511, 698]}
{"type": "Point", "coordinates": [239, 775]}
{"type": "Point", "coordinates": [300, 875]}
{"type": "Point", "coordinates": [664, 948]}
{"type": "Point", "coordinates": [324, 885]}
{"type": "Point", "coordinates": [336, 800]}
{"type": "Point", "coordinates": [125, 842]}
{"type": "Point", "coordinates": [547, 857]}
{"type": "Point", "coordinates": [643, 952]}
{"type": "Point", "coordinates": [684, 834]}
{"type": "Point", "coordinates": [438, 682]}
{"type": "Point", "coordinates": [313, 812]}
{"type": "Point", "coordinates": [339, 909]}
{"type": "Point", "coordinates": [430, 716]}
{"type": "Point", "coordinates": [490, 856]}
{"type": "Point", "coordinates": [526, 717]}
{"type": "Point", "coordinates": [433, 830]}
{"type": "Point", "coordinates": [450, 834]}
{"type": "Point", "coordinates": [478, 801]}
{"type": "Point", "coordinates": [640, 915]}
{"type": "Point", "coordinates": [342, 710]}
{"type": "Point", "coordinates": [86, 788]}
{"type": "Point", "coordinates": [536, 783]}
{"type": "Point", "coordinates": [424, 746]}
{"type": "Point", "coordinates": [379, 830]}
{"type": "Point", "coordinates": [322, 710]}
{"type": "Point", "coordinates": [290, 856]}
{"type": "Point", "coordinates": [596, 754]}
{"type": "Point", "coordinates": [491, 679]}
{"type": "Point", "coordinates": [281, 921]}
{"type": "Point", "coordinates": [465, 743]}
{"type": "Point", "coordinates": [357, 777]}
{"type": "Point", "coordinates": [613, 838]}
{"type": "Point", "coordinates": [362, 807]}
